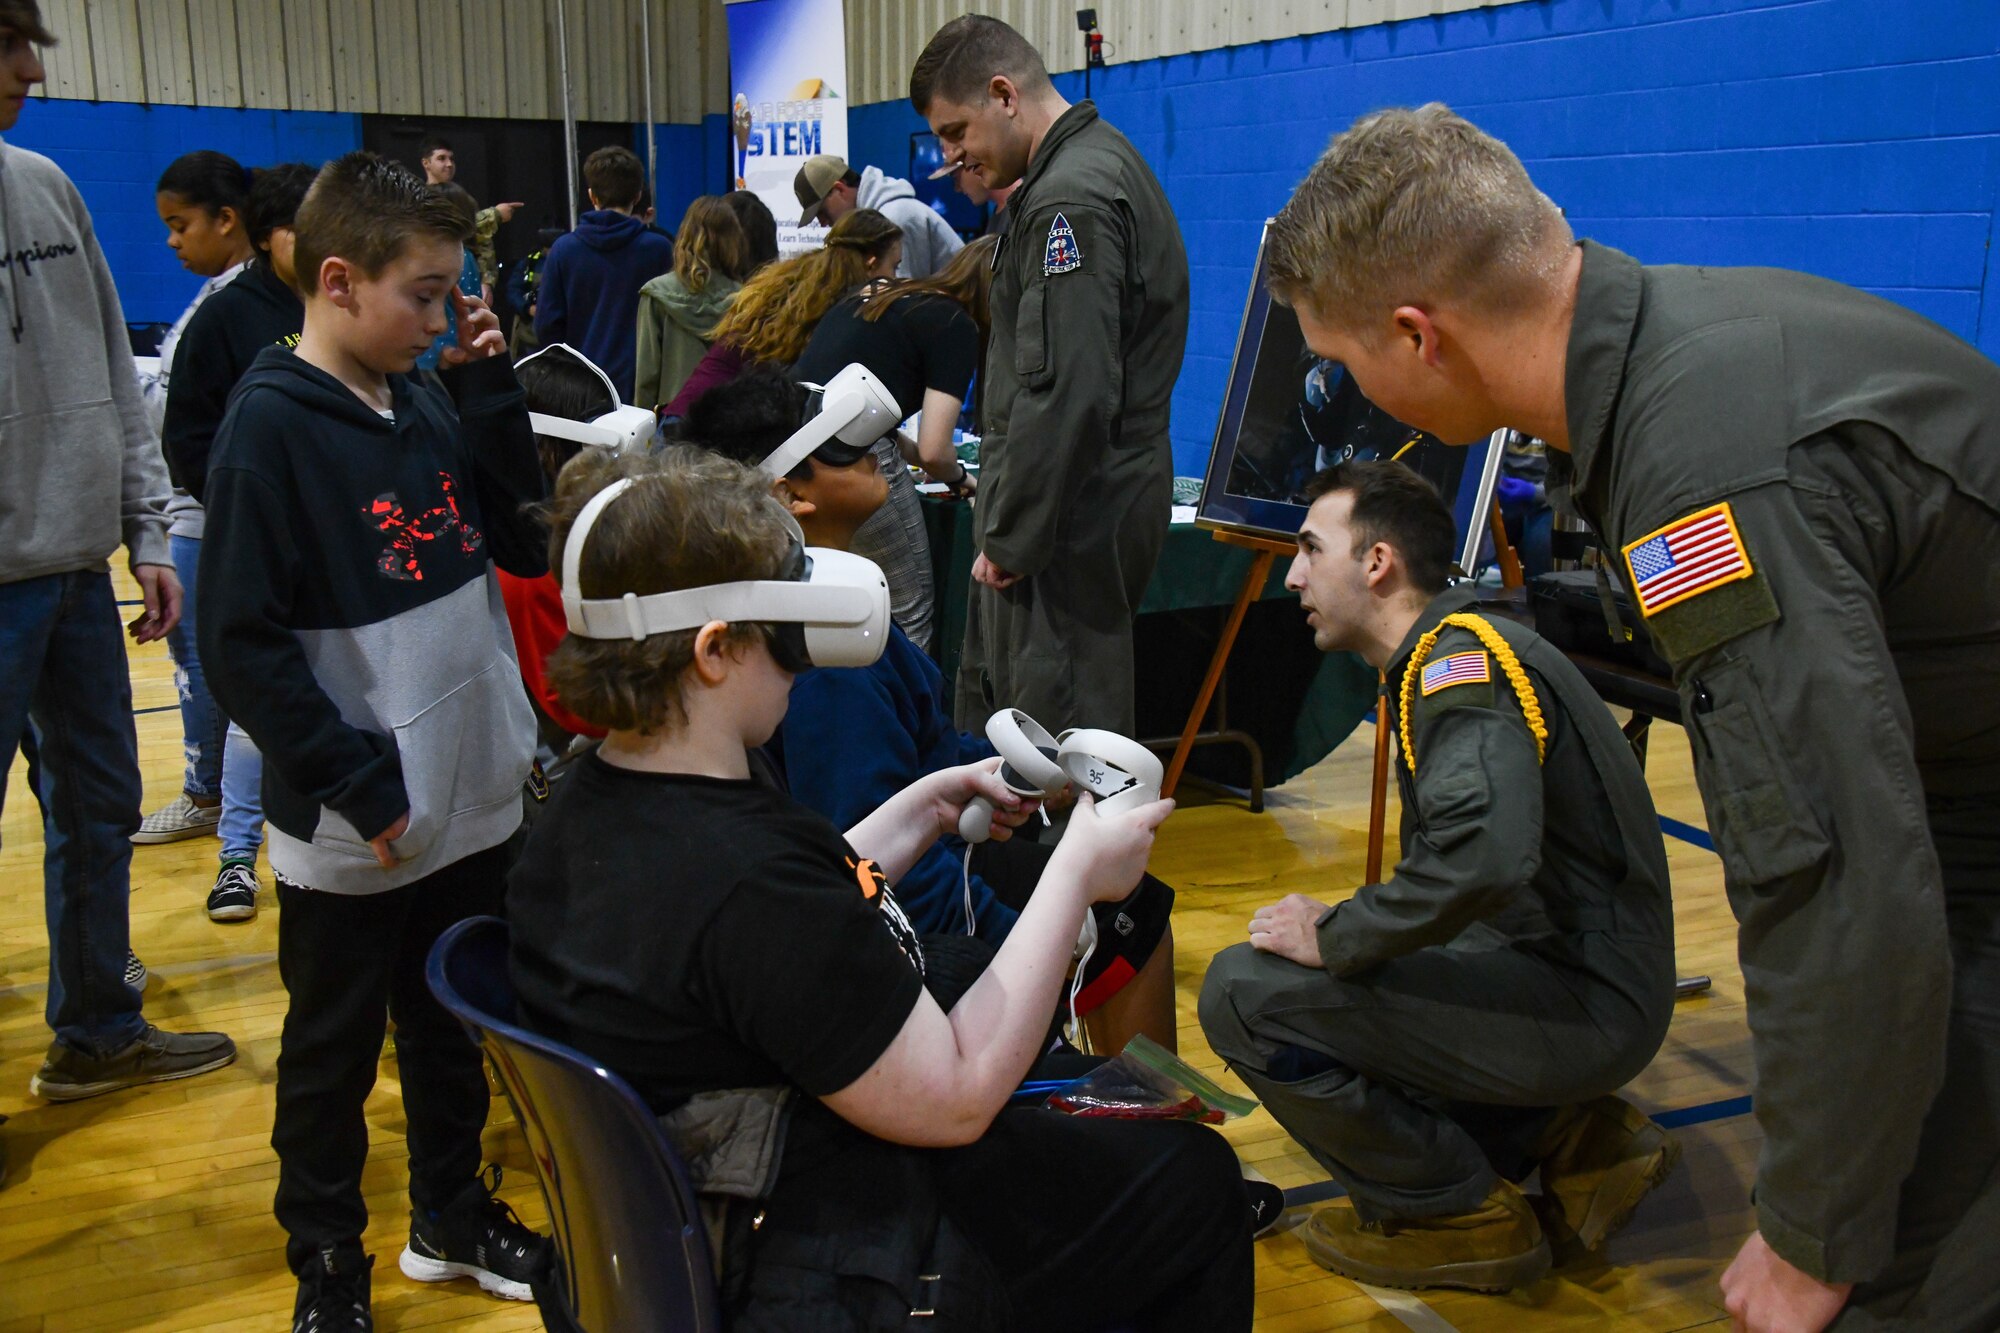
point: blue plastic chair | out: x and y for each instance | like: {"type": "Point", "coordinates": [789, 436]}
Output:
{"type": "Point", "coordinates": [630, 1244]}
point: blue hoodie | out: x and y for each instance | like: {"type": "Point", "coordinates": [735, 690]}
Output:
{"type": "Point", "coordinates": [855, 736]}
{"type": "Point", "coordinates": [589, 295]}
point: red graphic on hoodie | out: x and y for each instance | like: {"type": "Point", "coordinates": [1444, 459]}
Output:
{"type": "Point", "coordinates": [408, 535]}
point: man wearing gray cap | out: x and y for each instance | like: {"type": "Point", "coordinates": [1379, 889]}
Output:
{"type": "Point", "coordinates": [828, 189]}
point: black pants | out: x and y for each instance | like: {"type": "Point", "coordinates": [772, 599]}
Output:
{"type": "Point", "coordinates": [349, 963]}
{"type": "Point", "coordinates": [1092, 1223]}
{"type": "Point", "coordinates": [1049, 1222]}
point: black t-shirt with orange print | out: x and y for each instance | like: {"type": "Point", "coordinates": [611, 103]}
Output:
{"type": "Point", "coordinates": [696, 934]}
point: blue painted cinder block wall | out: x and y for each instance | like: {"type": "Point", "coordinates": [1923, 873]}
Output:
{"type": "Point", "coordinates": [115, 151]}
{"type": "Point", "coordinates": [693, 161]}
{"type": "Point", "coordinates": [1849, 138]}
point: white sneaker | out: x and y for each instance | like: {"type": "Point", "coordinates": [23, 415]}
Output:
{"type": "Point", "coordinates": [180, 819]}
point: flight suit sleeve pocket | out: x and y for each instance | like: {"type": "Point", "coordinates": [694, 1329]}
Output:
{"type": "Point", "coordinates": [1031, 341]}
{"type": "Point", "coordinates": [1460, 796]}
{"type": "Point", "coordinates": [1764, 827]}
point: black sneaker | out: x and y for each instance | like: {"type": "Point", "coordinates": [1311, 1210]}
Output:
{"type": "Point", "coordinates": [136, 975]}
{"type": "Point", "coordinates": [476, 1236]}
{"type": "Point", "coordinates": [1267, 1207]}
{"type": "Point", "coordinates": [333, 1293]}
{"type": "Point", "coordinates": [234, 897]}
{"type": "Point", "coordinates": [68, 1075]}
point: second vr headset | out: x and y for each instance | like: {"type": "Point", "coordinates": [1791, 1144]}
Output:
{"type": "Point", "coordinates": [855, 410]}
{"type": "Point", "coordinates": [623, 428]}
{"type": "Point", "coordinates": [826, 608]}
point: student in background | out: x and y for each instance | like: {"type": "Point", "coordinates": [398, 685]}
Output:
{"type": "Point", "coordinates": [468, 272]}
{"type": "Point", "coordinates": [678, 311]}
{"type": "Point", "coordinates": [73, 429]}
{"type": "Point", "coordinates": [829, 190]}
{"type": "Point", "coordinates": [974, 187]}
{"type": "Point", "coordinates": [260, 309]}
{"type": "Point", "coordinates": [559, 383]}
{"type": "Point", "coordinates": [202, 199]}
{"type": "Point", "coordinates": [760, 228]}
{"type": "Point", "coordinates": [773, 317]}
{"type": "Point", "coordinates": [646, 213]}
{"type": "Point", "coordinates": [356, 514]}
{"type": "Point", "coordinates": [524, 280]}
{"type": "Point", "coordinates": [922, 338]}
{"type": "Point", "coordinates": [589, 291]}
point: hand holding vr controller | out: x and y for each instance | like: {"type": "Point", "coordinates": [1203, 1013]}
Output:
{"type": "Point", "coordinates": [1114, 776]}
{"type": "Point", "coordinates": [1120, 774]}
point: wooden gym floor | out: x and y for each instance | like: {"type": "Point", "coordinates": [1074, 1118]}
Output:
{"type": "Point", "coordinates": [150, 1209]}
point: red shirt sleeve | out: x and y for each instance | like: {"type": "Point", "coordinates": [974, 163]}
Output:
{"type": "Point", "coordinates": [535, 614]}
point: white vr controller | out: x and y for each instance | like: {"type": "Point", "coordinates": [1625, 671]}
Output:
{"type": "Point", "coordinates": [1119, 773]}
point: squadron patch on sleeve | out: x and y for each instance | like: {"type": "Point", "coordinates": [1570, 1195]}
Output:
{"type": "Point", "coordinates": [1686, 558]}
{"type": "Point", "coordinates": [1458, 669]}
{"type": "Point", "coordinates": [1061, 254]}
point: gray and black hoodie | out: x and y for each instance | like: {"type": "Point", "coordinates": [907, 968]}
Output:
{"type": "Point", "coordinates": [350, 618]}
{"type": "Point", "coordinates": [83, 470]}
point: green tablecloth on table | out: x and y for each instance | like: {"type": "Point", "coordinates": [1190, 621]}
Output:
{"type": "Point", "coordinates": [1195, 573]}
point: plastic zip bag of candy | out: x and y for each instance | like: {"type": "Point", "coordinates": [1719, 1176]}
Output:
{"type": "Point", "coordinates": [1147, 1082]}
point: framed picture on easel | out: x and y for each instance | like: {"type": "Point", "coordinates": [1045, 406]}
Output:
{"type": "Point", "coordinates": [1288, 413]}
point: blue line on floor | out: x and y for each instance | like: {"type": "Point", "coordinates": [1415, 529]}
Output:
{"type": "Point", "coordinates": [1673, 828]}
{"type": "Point", "coordinates": [1319, 1191]}
{"type": "Point", "coordinates": [1701, 1115]}
{"type": "Point", "coordinates": [163, 708]}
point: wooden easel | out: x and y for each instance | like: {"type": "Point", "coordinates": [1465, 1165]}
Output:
{"type": "Point", "coordinates": [1266, 550]}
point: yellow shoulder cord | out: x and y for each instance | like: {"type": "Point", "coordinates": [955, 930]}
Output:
{"type": "Point", "coordinates": [1531, 707]}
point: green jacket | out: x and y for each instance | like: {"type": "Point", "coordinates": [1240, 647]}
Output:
{"type": "Point", "coordinates": [1524, 847]}
{"type": "Point", "coordinates": [673, 333]}
{"type": "Point", "coordinates": [1799, 483]}
{"type": "Point", "coordinates": [1090, 312]}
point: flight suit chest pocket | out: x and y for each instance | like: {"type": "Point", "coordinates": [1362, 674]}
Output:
{"type": "Point", "coordinates": [1031, 335]}
{"type": "Point", "coordinates": [1765, 828]}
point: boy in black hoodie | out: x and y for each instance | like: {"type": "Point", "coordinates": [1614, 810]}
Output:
{"type": "Point", "coordinates": [358, 635]}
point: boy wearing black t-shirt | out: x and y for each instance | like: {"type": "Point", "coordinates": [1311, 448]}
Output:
{"type": "Point", "coordinates": [353, 626]}
{"type": "Point", "coordinates": [708, 938]}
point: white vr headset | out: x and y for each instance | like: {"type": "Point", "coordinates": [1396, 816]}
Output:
{"type": "Point", "coordinates": [828, 608]}
{"type": "Point", "coordinates": [855, 408]}
{"type": "Point", "coordinates": [621, 428]}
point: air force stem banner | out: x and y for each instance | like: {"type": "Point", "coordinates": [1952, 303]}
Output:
{"type": "Point", "coordinates": [788, 78]}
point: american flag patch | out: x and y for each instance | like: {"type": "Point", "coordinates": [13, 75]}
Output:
{"type": "Point", "coordinates": [1458, 669]}
{"type": "Point", "coordinates": [1687, 557]}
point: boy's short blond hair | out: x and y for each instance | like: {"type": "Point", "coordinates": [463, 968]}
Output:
{"type": "Point", "coordinates": [690, 519]}
{"type": "Point", "coordinates": [1413, 207]}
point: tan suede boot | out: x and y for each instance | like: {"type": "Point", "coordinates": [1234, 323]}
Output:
{"type": "Point", "coordinates": [1496, 1247]}
{"type": "Point", "coordinates": [1601, 1157]}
